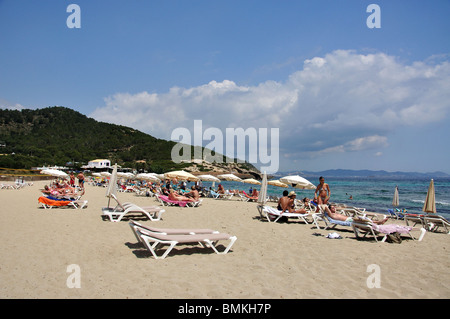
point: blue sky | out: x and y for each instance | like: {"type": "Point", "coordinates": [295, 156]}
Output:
{"type": "Point", "coordinates": [342, 95]}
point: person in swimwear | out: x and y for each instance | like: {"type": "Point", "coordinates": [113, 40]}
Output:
{"type": "Point", "coordinates": [193, 194]}
{"type": "Point", "coordinates": [285, 195]}
{"type": "Point", "coordinates": [176, 197]}
{"type": "Point", "coordinates": [220, 189]}
{"type": "Point", "coordinates": [287, 204]}
{"type": "Point", "coordinates": [322, 193]}
{"type": "Point", "coordinates": [331, 212]}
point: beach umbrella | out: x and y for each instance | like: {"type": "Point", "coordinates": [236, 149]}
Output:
{"type": "Point", "coordinates": [430, 201]}
{"type": "Point", "coordinates": [55, 173]}
{"type": "Point", "coordinates": [106, 174]}
{"type": "Point", "coordinates": [96, 174]}
{"type": "Point", "coordinates": [125, 175]}
{"type": "Point", "coordinates": [148, 177]}
{"type": "Point", "coordinates": [297, 181]}
{"type": "Point", "coordinates": [262, 197]}
{"type": "Point", "coordinates": [182, 175]}
{"type": "Point", "coordinates": [276, 182]}
{"type": "Point", "coordinates": [208, 178]}
{"type": "Point", "coordinates": [230, 177]}
{"type": "Point", "coordinates": [112, 186]}
{"type": "Point", "coordinates": [251, 181]}
{"type": "Point", "coordinates": [395, 200]}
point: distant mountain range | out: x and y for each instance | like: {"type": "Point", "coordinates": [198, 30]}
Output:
{"type": "Point", "coordinates": [363, 173]}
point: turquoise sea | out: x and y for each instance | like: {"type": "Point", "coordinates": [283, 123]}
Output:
{"type": "Point", "coordinates": [374, 194]}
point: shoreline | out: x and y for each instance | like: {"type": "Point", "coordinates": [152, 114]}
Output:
{"type": "Point", "coordinates": [268, 260]}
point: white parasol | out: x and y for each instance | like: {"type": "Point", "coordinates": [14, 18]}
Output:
{"type": "Point", "coordinates": [182, 175]}
{"type": "Point", "coordinates": [297, 181]}
{"type": "Point", "coordinates": [208, 178]}
{"type": "Point", "coordinates": [105, 174]}
{"type": "Point", "coordinates": [148, 177]}
{"type": "Point", "coordinates": [112, 186]}
{"type": "Point", "coordinates": [251, 181]}
{"type": "Point", "coordinates": [55, 173]}
{"type": "Point", "coordinates": [230, 177]}
{"type": "Point", "coordinates": [276, 182]}
{"type": "Point", "coordinates": [395, 200]}
{"type": "Point", "coordinates": [262, 197]}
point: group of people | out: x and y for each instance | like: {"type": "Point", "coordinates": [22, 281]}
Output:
{"type": "Point", "coordinates": [80, 178]}
{"type": "Point", "coordinates": [192, 196]}
{"type": "Point", "coordinates": [62, 190]}
{"type": "Point", "coordinates": [321, 198]}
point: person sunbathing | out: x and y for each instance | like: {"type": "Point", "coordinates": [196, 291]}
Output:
{"type": "Point", "coordinates": [285, 196]}
{"type": "Point", "coordinates": [330, 210]}
{"type": "Point", "coordinates": [287, 204]}
{"type": "Point", "coordinates": [50, 191]}
{"type": "Point", "coordinates": [193, 194]}
{"type": "Point", "coordinates": [220, 189]}
{"type": "Point", "coordinates": [176, 197]}
{"type": "Point", "coordinates": [307, 202]}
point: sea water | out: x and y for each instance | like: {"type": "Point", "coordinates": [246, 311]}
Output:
{"type": "Point", "coordinates": [373, 194]}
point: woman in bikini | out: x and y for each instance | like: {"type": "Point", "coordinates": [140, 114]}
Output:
{"type": "Point", "coordinates": [322, 193]}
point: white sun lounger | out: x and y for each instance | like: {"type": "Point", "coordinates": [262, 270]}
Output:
{"type": "Point", "coordinates": [433, 222]}
{"type": "Point", "coordinates": [116, 214]}
{"type": "Point", "coordinates": [273, 215]}
{"type": "Point", "coordinates": [366, 227]}
{"type": "Point", "coordinates": [169, 231]}
{"type": "Point", "coordinates": [153, 240]}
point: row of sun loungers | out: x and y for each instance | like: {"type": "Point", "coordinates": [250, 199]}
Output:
{"type": "Point", "coordinates": [160, 242]}
{"type": "Point", "coordinates": [15, 185]}
{"type": "Point", "coordinates": [155, 239]}
{"type": "Point", "coordinates": [362, 224]}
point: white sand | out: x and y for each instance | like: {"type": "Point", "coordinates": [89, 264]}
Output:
{"type": "Point", "coordinates": [268, 260]}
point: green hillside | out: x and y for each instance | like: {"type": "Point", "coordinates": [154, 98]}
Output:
{"type": "Point", "coordinates": [59, 135]}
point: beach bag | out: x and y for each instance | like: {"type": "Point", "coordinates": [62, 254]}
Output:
{"type": "Point", "coordinates": [394, 238]}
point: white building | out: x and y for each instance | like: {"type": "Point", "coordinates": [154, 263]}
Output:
{"type": "Point", "coordinates": [99, 163]}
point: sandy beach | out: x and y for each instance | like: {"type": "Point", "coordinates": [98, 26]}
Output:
{"type": "Point", "coordinates": [268, 260]}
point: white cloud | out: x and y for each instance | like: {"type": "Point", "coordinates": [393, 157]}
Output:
{"type": "Point", "coordinates": [341, 102]}
{"type": "Point", "coordinates": [10, 106]}
{"type": "Point", "coordinates": [358, 144]}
